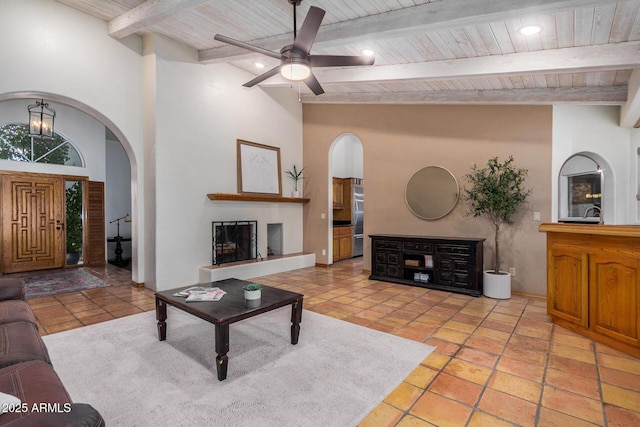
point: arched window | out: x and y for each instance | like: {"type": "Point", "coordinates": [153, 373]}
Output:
{"type": "Point", "coordinates": [16, 145]}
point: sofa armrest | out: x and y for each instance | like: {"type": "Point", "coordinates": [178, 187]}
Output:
{"type": "Point", "coordinates": [11, 288]}
{"type": "Point", "coordinates": [79, 415]}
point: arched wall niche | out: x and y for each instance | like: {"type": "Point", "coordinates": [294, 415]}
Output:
{"type": "Point", "coordinates": [589, 176]}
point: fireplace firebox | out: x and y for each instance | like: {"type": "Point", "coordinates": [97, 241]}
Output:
{"type": "Point", "coordinates": [234, 241]}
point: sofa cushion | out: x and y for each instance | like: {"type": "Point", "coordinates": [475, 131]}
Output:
{"type": "Point", "coordinates": [20, 342]}
{"type": "Point", "coordinates": [16, 311]}
{"type": "Point", "coordinates": [11, 288]}
{"type": "Point", "coordinates": [34, 383]}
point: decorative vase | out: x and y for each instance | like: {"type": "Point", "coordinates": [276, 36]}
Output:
{"type": "Point", "coordinates": [295, 194]}
{"type": "Point", "coordinates": [496, 286]}
{"type": "Point", "coordinates": [73, 258]}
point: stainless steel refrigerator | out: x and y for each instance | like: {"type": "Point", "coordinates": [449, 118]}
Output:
{"type": "Point", "coordinates": [357, 216]}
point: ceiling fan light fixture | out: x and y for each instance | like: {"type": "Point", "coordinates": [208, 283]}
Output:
{"type": "Point", "coordinates": [295, 71]}
{"type": "Point", "coordinates": [368, 52]}
{"type": "Point", "coordinates": [296, 60]}
{"type": "Point", "coordinates": [529, 30]}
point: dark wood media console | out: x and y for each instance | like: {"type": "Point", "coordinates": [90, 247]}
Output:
{"type": "Point", "coordinates": [443, 263]}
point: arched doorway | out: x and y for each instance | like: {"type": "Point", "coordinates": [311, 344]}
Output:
{"type": "Point", "coordinates": [346, 190]}
{"type": "Point", "coordinates": [112, 136]}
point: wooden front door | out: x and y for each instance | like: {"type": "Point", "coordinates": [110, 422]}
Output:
{"type": "Point", "coordinates": [32, 223]}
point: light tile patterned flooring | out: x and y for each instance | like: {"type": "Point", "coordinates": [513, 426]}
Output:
{"type": "Point", "coordinates": [496, 363]}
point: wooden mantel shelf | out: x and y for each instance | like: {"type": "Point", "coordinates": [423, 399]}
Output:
{"type": "Point", "coordinates": [255, 198]}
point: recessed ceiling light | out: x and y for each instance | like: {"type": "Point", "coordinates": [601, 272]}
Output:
{"type": "Point", "coordinates": [529, 30]}
{"type": "Point", "coordinates": [368, 52]}
{"type": "Point", "coordinates": [259, 65]}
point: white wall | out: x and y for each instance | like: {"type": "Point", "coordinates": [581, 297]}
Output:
{"type": "Point", "coordinates": [117, 196]}
{"type": "Point", "coordinates": [634, 190]}
{"type": "Point", "coordinates": [200, 112]}
{"type": "Point", "coordinates": [347, 157]}
{"type": "Point", "coordinates": [596, 129]}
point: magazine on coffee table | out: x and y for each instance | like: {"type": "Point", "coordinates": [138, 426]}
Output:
{"type": "Point", "coordinates": [199, 293]}
{"type": "Point", "coordinates": [187, 292]}
{"type": "Point", "coordinates": [210, 294]}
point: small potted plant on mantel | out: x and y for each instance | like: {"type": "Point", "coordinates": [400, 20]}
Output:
{"type": "Point", "coordinates": [497, 191]}
{"type": "Point", "coordinates": [296, 176]}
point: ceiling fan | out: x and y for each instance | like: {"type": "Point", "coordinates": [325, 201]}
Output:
{"type": "Point", "coordinates": [296, 62]}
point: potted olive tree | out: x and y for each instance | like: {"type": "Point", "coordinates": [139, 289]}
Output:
{"type": "Point", "coordinates": [496, 192]}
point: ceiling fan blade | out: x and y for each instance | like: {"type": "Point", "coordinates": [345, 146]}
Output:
{"type": "Point", "coordinates": [309, 29]}
{"type": "Point", "coordinates": [262, 77]}
{"type": "Point", "coordinates": [313, 84]}
{"type": "Point", "coordinates": [340, 60]}
{"type": "Point", "coordinates": [247, 46]}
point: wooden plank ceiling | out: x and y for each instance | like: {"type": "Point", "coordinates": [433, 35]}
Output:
{"type": "Point", "coordinates": [426, 51]}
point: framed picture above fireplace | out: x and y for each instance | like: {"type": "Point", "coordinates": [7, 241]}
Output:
{"type": "Point", "coordinates": [259, 169]}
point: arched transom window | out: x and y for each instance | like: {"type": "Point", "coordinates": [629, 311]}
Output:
{"type": "Point", "coordinates": [17, 145]}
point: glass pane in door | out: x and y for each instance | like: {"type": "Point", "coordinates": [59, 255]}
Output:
{"type": "Point", "coordinates": [74, 222]}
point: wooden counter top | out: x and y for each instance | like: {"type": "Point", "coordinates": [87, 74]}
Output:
{"type": "Point", "coordinates": [599, 229]}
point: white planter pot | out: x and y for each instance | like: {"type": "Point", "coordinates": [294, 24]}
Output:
{"type": "Point", "coordinates": [252, 295]}
{"type": "Point", "coordinates": [295, 194]}
{"type": "Point", "coordinates": [496, 285]}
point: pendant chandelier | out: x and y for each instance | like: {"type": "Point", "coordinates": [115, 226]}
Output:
{"type": "Point", "coordinates": [41, 120]}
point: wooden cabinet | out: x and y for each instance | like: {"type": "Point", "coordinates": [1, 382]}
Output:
{"type": "Point", "coordinates": [568, 285]}
{"type": "Point", "coordinates": [449, 264]}
{"type": "Point", "coordinates": [386, 259]}
{"type": "Point", "coordinates": [614, 297]}
{"type": "Point", "coordinates": [342, 243]}
{"type": "Point", "coordinates": [593, 285]}
{"type": "Point", "coordinates": [338, 193]}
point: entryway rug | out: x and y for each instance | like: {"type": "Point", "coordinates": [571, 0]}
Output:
{"type": "Point", "coordinates": [39, 285]}
{"type": "Point", "coordinates": [335, 376]}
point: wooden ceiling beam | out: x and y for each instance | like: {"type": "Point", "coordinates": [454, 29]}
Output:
{"type": "Point", "coordinates": [569, 60]}
{"type": "Point", "coordinates": [630, 111]}
{"type": "Point", "coordinates": [148, 14]}
{"type": "Point", "coordinates": [418, 19]}
{"type": "Point", "coordinates": [611, 95]}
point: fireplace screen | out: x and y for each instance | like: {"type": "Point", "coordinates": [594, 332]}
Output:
{"type": "Point", "coordinates": [234, 241]}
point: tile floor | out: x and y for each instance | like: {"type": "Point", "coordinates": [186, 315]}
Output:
{"type": "Point", "coordinates": [61, 312]}
{"type": "Point", "coordinates": [496, 363]}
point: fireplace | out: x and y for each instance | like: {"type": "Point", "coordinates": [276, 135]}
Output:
{"type": "Point", "coordinates": [234, 241]}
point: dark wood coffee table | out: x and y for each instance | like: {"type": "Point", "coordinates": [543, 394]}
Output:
{"type": "Point", "coordinates": [230, 309]}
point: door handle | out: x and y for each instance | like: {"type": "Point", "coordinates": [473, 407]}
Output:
{"type": "Point", "coordinates": [59, 225]}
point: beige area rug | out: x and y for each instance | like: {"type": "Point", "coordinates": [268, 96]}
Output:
{"type": "Point", "coordinates": [336, 374]}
